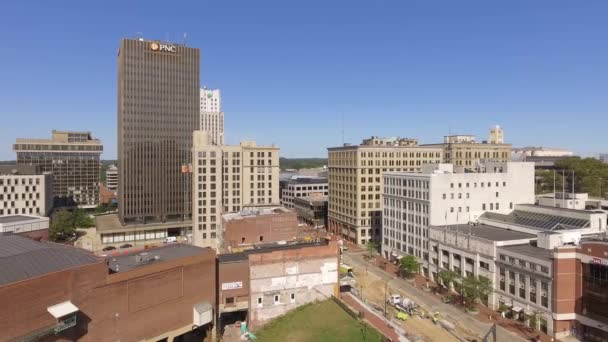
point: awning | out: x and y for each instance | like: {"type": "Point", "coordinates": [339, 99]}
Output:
{"type": "Point", "coordinates": [517, 309]}
{"type": "Point", "coordinates": [62, 309]}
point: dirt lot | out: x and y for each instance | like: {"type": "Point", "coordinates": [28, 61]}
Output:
{"type": "Point", "coordinates": [373, 292]}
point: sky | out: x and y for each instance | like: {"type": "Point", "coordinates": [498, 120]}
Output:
{"type": "Point", "coordinates": [307, 75]}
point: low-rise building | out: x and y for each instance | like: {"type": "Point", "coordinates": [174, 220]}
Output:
{"type": "Point", "coordinates": [564, 200]}
{"type": "Point", "coordinates": [53, 291]}
{"type": "Point", "coordinates": [258, 225]}
{"type": "Point", "coordinates": [312, 210]}
{"type": "Point", "coordinates": [300, 187]}
{"type": "Point", "coordinates": [279, 278]}
{"type": "Point", "coordinates": [24, 190]}
{"type": "Point", "coordinates": [34, 227]}
{"type": "Point", "coordinates": [518, 253]}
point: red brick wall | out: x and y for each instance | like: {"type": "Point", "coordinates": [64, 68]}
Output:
{"type": "Point", "coordinates": [233, 272]}
{"type": "Point", "coordinates": [295, 254]}
{"type": "Point", "coordinates": [274, 227]}
{"type": "Point", "coordinates": [126, 306]}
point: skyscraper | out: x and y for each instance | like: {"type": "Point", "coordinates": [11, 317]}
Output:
{"type": "Point", "coordinates": [73, 158]}
{"type": "Point", "coordinates": [212, 116]}
{"type": "Point", "coordinates": [158, 109]}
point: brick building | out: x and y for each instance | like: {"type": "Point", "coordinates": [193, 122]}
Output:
{"type": "Point", "coordinates": [258, 225]}
{"type": "Point", "coordinates": [264, 283]}
{"type": "Point", "coordinates": [60, 292]}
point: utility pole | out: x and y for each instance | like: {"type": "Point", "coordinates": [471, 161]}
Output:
{"type": "Point", "coordinates": [385, 295]}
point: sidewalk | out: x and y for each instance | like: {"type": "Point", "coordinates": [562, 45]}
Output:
{"type": "Point", "coordinates": [373, 318]}
{"type": "Point", "coordinates": [465, 322]}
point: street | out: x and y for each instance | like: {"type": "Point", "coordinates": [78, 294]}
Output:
{"type": "Point", "coordinates": [466, 326]}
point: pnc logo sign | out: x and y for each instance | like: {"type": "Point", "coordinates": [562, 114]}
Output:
{"type": "Point", "coordinates": [162, 47]}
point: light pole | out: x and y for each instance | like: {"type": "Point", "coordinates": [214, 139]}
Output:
{"type": "Point", "coordinates": [386, 295]}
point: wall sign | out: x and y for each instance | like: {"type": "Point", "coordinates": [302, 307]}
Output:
{"type": "Point", "coordinates": [162, 47]}
{"type": "Point", "coordinates": [232, 286]}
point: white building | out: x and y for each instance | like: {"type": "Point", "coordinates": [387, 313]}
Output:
{"type": "Point", "coordinates": [444, 195]}
{"type": "Point", "coordinates": [33, 226]}
{"type": "Point", "coordinates": [226, 179]}
{"type": "Point", "coordinates": [112, 178]}
{"type": "Point", "coordinates": [302, 187]}
{"type": "Point", "coordinates": [540, 151]}
{"type": "Point", "coordinates": [212, 116]}
{"type": "Point", "coordinates": [564, 200]}
{"type": "Point", "coordinates": [25, 191]}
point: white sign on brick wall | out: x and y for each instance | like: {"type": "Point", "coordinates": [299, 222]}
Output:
{"type": "Point", "coordinates": [232, 286]}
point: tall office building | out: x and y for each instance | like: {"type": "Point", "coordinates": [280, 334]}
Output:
{"type": "Point", "coordinates": [228, 179]}
{"type": "Point", "coordinates": [72, 158]}
{"type": "Point", "coordinates": [112, 178]}
{"type": "Point", "coordinates": [212, 116]}
{"type": "Point", "coordinates": [355, 182]}
{"type": "Point", "coordinates": [158, 109]}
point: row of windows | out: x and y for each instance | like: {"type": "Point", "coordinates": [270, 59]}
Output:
{"type": "Point", "coordinates": [481, 184]}
{"type": "Point", "coordinates": [15, 211]}
{"type": "Point", "coordinates": [524, 264]}
{"type": "Point", "coordinates": [15, 181]}
{"type": "Point", "coordinates": [520, 288]}
{"type": "Point", "coordinates": [24, 196]}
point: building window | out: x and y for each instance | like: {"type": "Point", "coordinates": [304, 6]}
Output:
{"type": "Point", "coordinates": [229, 300]}
{"type": "Point", "coordinates": [293, 298]}
{"type": "Point", "coordinates": [260, 303]}
{"type": "Point", "coordinates": [277, 299]}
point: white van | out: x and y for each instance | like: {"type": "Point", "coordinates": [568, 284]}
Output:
{"type": "Point", "coordinates": [171, 239]}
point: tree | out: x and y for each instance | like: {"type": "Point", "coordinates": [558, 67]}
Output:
{"type": "Point", "coordinates": [448, 277]}
{"type": "Point", "coordinates": [371, 247]}
{"type": "Point", "coordinates": [590, 176]}
{"type": "Point", "coordinates": [475, 288]}
{"type": "Point", "coordinates": [81, 219]}
{"type": "Point", "coordinates": [62, 226]}
{"type": "Point", "coordinates": [409, 265]}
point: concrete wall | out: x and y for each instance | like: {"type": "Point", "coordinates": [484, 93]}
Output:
{"type": "Point", "coordinates": [307, 274]}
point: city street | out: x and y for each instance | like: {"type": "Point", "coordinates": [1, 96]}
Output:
{"type": "Point", "coordinates": [466, 326]}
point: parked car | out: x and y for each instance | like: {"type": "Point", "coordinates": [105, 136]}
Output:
{"type": "Point", "coordinates": [126, 245]}
{"type": "Point", "coordinates": [108, 248]}
{"type": "Point", "coordinates": [171, 239]}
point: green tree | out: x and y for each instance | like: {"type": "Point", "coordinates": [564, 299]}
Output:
{"type": "Point", "coordinates": [587, 174]}
{"type": "Point", "coordinates": [371, 247]}
{"type": "Point", "coordinates": [475, 288]}
{"type": "Point", "coordinates": [81, 219]}
{"type": "Point", "coordinates": [62, 226]}
{"type": "Point", "coordinates": [409, 265]}
{"type": "Point", "coordinates": [448, 277]}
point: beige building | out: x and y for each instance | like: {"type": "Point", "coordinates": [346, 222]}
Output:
{"type": "Point", "coordinates": [463, 150]}
{"type": "Point", "coordinates": [227, 179]}
{"type": "Point", "coordinates": [25, 191]}
{"type": "Point", "coordinates": [355, 182]}
{"type": "Point", "coordinates": [212, 116]}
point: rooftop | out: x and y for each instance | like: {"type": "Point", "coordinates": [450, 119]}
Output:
{"type": "Point", "coordinates": [557, 209]}
{"type": "Point", "coordinates": [488, 232]}
{"type": "Point", "coordinates": [535, 220]}
{"type": "Point", "coordinates": [530, 250]}
{"type": "Point", "coordinates": [254, 211]}
{"type": "Point", "coordinates": [29, 170]}
{"type": "Point", "coordinates": [19, 218]}
{"type": "Point", "coordinates": [111, 224]}
{"type": "Point", "coordinates": [22, 258]}
{"type": "Point", "coordinates": [305, 180]}
{"type": "Point", "coordinates": [268, 247]}
{"type": "Point", "coordinates": [158, 255]}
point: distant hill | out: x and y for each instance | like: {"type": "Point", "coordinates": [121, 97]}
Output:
{"type": "Point", "coordinates": [301, 163]}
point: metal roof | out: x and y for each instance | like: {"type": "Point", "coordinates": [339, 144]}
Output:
{"type": "Point", "coordinates": [487, 232]}
{"type": "Point", "coordinates": [536, 220]}
{"type": "Point", "coordinates": [22, 258]}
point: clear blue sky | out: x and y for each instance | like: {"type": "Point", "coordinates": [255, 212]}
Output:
{"type": "Point", "coordinates": [289, 70]}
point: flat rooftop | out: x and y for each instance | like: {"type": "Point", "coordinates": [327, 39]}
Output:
{"type": "Point", "coordinates": [255, 212]}
{"type": "Point", "coordinates": [22, 258]}
{"type": "Point", "coordinates": [558, 209]}
{"type": "Point", "coordinates": [268, 247]}
{"type": "Point", "coordinates": [306, 180]}
{"type": "Point", "coordinates": [19, 218]}
{"type": "Point", "coordinates": [169, 252]}
{"type": "Point", "coordinates": [111, 224]}
{"type": "Point", "coordinates": [529, 250]}
{"type": "Point", "coordinates": [538, 221]}
{"type": "Point", "coordinates": [19, 170]}
{"type": "Point", "coordinates": [487, 232]}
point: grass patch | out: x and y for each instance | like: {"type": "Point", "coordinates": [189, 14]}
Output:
{"type": "Point", "coordinates": [323, 322]}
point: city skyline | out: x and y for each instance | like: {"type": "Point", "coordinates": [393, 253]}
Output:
{"type": "Point", "coordinates": [386, 71]}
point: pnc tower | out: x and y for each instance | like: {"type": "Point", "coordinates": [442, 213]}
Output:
{"type": "Point", "coordinates": [158, 109]}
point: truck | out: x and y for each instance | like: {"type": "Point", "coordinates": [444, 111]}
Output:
{"type": "Point", "coordinates": [402, 304]}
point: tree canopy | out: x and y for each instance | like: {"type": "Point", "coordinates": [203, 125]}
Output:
{"type": "Point", "coordinates": [64, 224]}
{"type": "Point", "coordinates": [409, 265]}
{"type": "Point", "coordinates": [475, 288]}
{"type": "Point", "coordinates": [590, 176]}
